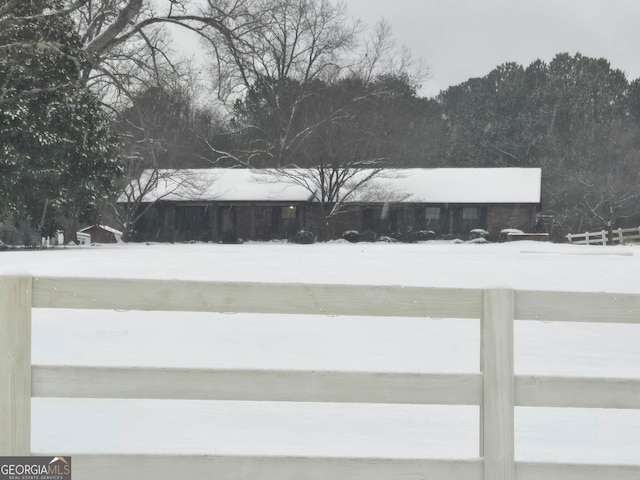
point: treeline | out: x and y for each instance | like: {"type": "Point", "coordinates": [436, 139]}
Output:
{"type": "Point", "coordinates": [91, 95]}
{"type": "Point", "coordinates": [575, 117]}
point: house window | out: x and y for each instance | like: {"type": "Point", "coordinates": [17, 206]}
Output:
{"type": "Point", "coordinates": [371, 219]}
{"type": "Point", "coordinates": [284, 221]}
{"type": "Point", "coordinates": [471, 218]}
{"type": "Point", "coordinates": [432, 218]}
{"type": "Point", "coordinates": [289, 213]}
{"type": "Point", "coordinates": [382, 220]}
{"type": "Point", "coordinates": [191, 219]}
{"type": "Point", "coordinates": [150, 221]}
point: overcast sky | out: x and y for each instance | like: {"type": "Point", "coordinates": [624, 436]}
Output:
{"type": "Point", "coordinates": [461, 39]}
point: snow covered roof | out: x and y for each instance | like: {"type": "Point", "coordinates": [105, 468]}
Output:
{"type": "Point", "coordinates": [442, 185]}
{"type": "Point", "coordinates": [102, 227]}
{"type": "Point", "coordinates": [222, 184]}
{"type": "Point", "coordinates": [457, 185]}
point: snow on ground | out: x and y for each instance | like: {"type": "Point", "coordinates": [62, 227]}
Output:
{"type": "Point", "coordinates": [337, 343]}
{"type": "Point", "coordinates": [518, 264]}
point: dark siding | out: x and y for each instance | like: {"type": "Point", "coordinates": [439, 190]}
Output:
{"type": "Point", "coordinates": [229, 223]}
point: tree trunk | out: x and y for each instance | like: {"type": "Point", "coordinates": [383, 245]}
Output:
{"type": "Point", "coordinates": [71, 229]}
{"type": "Point", "coordinates": [107, 39]}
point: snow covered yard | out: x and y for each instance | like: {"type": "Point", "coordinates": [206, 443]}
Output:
{"type": "Point", "coordinates": [332, 343]}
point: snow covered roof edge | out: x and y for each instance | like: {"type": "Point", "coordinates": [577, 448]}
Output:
{"type": "Point", "coordinates": [420, 185]}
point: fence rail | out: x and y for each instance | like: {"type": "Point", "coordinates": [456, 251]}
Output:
{"type": "Point", "coordinates": [618, 236]}
{"type": "Point", "coordinates": [625, 235]}
{"type": "Point", "coordinates": [495, 389]}
{"type": "Point", "coordinates": [588, 238]}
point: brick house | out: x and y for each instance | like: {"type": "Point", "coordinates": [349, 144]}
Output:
{"type": "Point", "coordinates": [226, 205]}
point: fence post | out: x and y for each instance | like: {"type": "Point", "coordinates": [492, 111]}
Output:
{"type": "Point", "coordinates": [497, 410]}
{"type": "Point", "coordinates": [15, 365]}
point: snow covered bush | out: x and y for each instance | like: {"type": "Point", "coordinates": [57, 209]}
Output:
{"type": "Point", "coordinates": [411, 236]}
{"type": "Point", "coordinates": [479, 241]}
{"type": "Point", "coordinates": [386, 239]}
{"type": "Point", "coordinates": [304, 237]}
{"type": "Point", "coordinates": [352, 236]}
{"type": "Point", "coordinates": [404, 236]}
{"type": "Point", "coordinates": [478, 233]}
{"type": "Point", "coordinates": [423, 235]}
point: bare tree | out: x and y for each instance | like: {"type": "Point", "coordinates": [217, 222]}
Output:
{"type": "Point", "coordinates": [119, 49]}
{"type": "Point", "coordinates": [303, 80]}
{"type": "Point", "coordinates": [290, 52]}
{"type": "Point", "coordinates": [308, 94]}
{"type": "Point", "coordinates": [330, 185]}
{"type": "Point", "coordinates": [612, 196]}
{"type": "Point", "coordinates": [157, 144]}
{"type": "Point", "coordinates": [379, 55]}
{"type": "Point", "coordinates": [143, 192]}
{"type": "Point", "coordinates": [131, 60]}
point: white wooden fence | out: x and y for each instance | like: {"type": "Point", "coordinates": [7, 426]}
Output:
{"type": "Point", "coordinates": [625, 235]}
{"type": "Point", "coordinates": [618, 236]}
{"type": "Point", "coordinates": [588, 238]}
{"type": "Point", "coordinates": [495, 388]}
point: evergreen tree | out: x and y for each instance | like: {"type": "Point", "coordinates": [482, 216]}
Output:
{"type": "Point", "coordinates": [576, 118]}
{"type": "Point", "coordinates": [58, 157]}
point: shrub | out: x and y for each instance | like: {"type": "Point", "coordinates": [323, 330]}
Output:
{"type": "Point", "coordinates": [479, 241]}
{"type": "Point", "coordinates": [387, 239]}
{"type": "Point", "coordinates": [424, 235]}
{"type": "Point", "coordinates": [404, 236]}
{"type": "Point", "coordinates": [18, 234]}
{"type": "Point", "coordinates": [9, 234]}
{"type": "Point", "coordinates": [409, 235]}
{"type": "Point", "coordinates": [304, 237]}
{"type": "Point", "coordinates": [352, 236]}
{"type": "Point", "coordinates": [478, 233]}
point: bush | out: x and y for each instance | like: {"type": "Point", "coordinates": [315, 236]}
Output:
{"type": "Point", "coordinates": [424, 235]}
{"type": "Point", "coordinates": [479, 241]}
{"type": "Point", "coordinates": [411, 236]}
{"type": "Point", "coordinates": [385, 238]}
{"type": "Point", "coordinates": [18, 234]}
{"type": "Point", "coordinates": [9, 234]}
{"type": "Point", "coordinates": [304, 237]}
{"type": "Point", "coordinates": [352, 236]}
{"type": "Point", "coordinates": [478, 233]}
{"type": "Point", "coordinates": [404, 236]}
